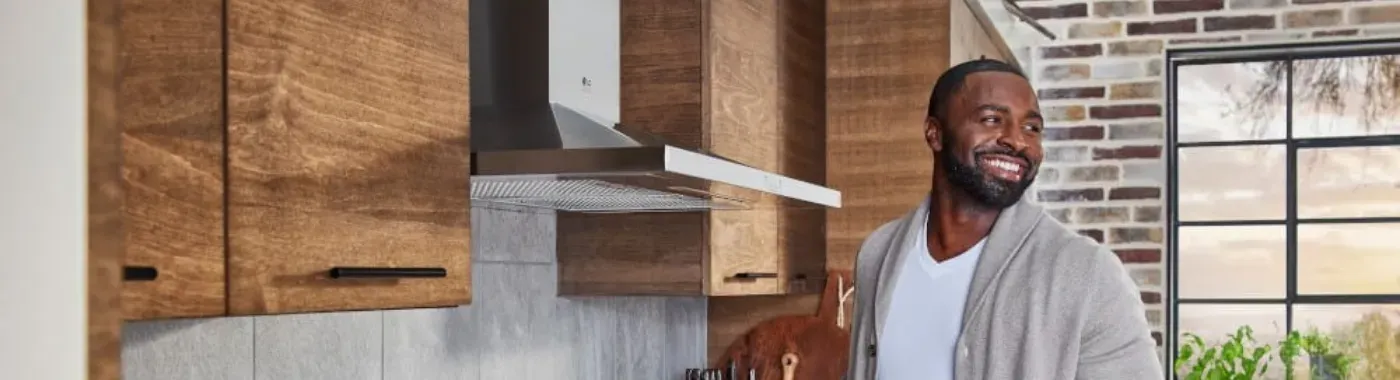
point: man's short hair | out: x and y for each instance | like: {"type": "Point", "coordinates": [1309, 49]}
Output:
{"type": "Point", "coordinates": [952, 80]}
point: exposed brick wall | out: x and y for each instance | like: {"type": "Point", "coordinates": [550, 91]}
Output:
{"type": "Point", "coordinates": [1101, 87]}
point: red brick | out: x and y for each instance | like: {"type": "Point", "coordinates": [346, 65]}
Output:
{"type": "Point", "coordinates": [1097, 235]}
{"type": "Point", "coordinates": [1146, 255]}
{"type": "Point", "coordinates": [1122, 70]}
{"type": "Point", "coordinates": [1107, 9]}
{"type": "Point", "coordinates": [1376, 14]}
{"type": "Point", "coordinates": [1055, 73]}
{"type": "Point", "coordinates": [1136, 131]}
{"type": "Point", "coordinates": [1139, 90]}
{"type": "Point", "coordinates": [1135, 47]}
{"type": "Point", "coordinates": [1071, 51]}
{"type": "Point", "coordinates": [1187, 25]}
{"type": "Point", "coordinates": [1063, 113]}
{"type": "Point", "coordinates": [1251, 22]}
{"type": "Point", "coordinates": [1083, 132]}
{"type": "Point", "coordinates": [1127, 193]}
{"type": "Point", "coordinates": [1075, 10]}
{"type": "Point", "coordinates": [1256, 4]}
{"type": "Point", "coordinates": [1125, 111]}
{"type": "Point", "coordinates": [1147, 214]}
{"type": "Point", "coordinates": [1151, 297]}
{"type": "Point", "coordinates": [1313, 18]}
{"type": "Point", "coordinates": [1100, 215]}
{"type": "Point", "coordinates": [1055, 154]}
{"type": "Point", "coordinates": [1095, 30]}
{"type": "Point", "coordinates": [1072, 93]}
{"type": "Point", "coordinates": [1336, 33]}
{"type": "Point", "coordinates": [1135, 235]}
{"type": "Point", "coordinates": [1155, 66]}
{"type": "Point", "coordinates": [1183, 6]}
{"type": "Point", "coordinates": [1071, 195]}
{"type": "Point", "coordinates": [1205, 40]}
{"type": "Point", "coordinates": [1128, 152]}
{"type": "Point", "coordinates": [1048, 175]}
{"type": "Point", "coordinates": [1093, 174]}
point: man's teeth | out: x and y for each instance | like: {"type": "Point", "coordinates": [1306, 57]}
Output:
{"type": "Point", "coordinates": [1003, 165]}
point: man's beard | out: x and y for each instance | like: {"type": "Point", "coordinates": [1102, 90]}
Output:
{"type": "Point", "coordinates": [988, 190]}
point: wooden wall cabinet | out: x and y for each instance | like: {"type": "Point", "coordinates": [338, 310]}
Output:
{"type": "Point", "coordinates": [347, 147]}
{"type": "Point", "coordinates": [306, 136]}
{"type": "Point", "coordinates": [742, 79]}
{"type": "Point", "coordinates": [882, 58]}
{"type": "Point", "coordinates": [171, 111]}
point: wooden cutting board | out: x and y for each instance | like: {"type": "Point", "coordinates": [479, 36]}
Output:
{"type": "Point", "coordinates": [819, 345]}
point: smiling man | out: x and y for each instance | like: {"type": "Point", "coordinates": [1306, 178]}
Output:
{"type": "Point", "coordinates": [978, 282]}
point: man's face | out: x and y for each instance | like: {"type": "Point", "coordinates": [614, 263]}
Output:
{"type": "Point", "coordinates": [990, 146]}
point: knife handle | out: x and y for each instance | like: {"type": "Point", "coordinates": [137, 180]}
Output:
{"type": "Point", "coordinates": [789, 366]}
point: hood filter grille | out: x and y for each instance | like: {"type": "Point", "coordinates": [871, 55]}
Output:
{"type": "Point", "coordinates": [596, 196]}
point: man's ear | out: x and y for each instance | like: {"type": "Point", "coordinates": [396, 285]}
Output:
{"type": "Point", "coordinates": [932, 129]}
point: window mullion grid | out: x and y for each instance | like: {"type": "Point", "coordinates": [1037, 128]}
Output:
{"type": "Point", "coordinates": [1291, 219]}
{"type": "Point", "coordinates": [1173, 218]}
{"type": "Point", "coordinates": [1290, 204]}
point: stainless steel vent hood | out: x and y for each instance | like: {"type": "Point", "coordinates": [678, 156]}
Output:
{"type": "Point", "coordinates": [530, 151]}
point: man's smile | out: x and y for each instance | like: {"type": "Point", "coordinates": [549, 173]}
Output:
{"type": "Point", "coordinates": [1004, 167]}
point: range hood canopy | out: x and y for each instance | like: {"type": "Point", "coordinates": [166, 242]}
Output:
{"type": "Point", "coordinates": [529, 151]}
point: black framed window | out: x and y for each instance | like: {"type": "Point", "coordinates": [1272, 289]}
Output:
{"type": "Point", "coordinates": [1283, 192]}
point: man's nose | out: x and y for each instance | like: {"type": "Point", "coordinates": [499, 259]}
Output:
{"type": "Point", "coordinates": [1014, 139]}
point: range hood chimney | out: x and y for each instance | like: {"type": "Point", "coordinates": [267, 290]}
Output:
{"type": "Point", "coordinates": [528, 150]}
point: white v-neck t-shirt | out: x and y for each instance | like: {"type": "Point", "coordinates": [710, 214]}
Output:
{"type": "Point", "coordinates": [925, 313]}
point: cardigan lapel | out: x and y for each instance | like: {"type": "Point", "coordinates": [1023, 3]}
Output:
{"type": "Point", "coordinates": [893, 258]}
{"type": "Point", "coordinates": [1008, 235]}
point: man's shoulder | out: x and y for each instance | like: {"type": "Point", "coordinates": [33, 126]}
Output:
{"type": "Point", "coordinates": [1070, 253]}
{"type": "Point", "coordinates": [873, 248]}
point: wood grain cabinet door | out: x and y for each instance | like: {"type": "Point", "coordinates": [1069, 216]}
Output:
{"type": "Point", "coordinates": [171, 109]}
{"type": "Point", "coordinates": [348, 148]}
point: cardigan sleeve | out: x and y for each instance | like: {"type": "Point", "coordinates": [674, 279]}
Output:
{"type": "Point", "coordinates": [1116, 341]}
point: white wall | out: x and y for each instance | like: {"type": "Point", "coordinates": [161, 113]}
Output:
{"type": "Point", "coordinates": [42, 194]}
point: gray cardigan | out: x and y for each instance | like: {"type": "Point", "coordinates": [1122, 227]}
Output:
{"type": "Point", "coordinates": [1045, 303]}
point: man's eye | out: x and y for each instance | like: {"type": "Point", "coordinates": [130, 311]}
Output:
{"type": "Point", "coordinates": [991, 119]}
{"type": "Point", "coordinates": [1034, 128]}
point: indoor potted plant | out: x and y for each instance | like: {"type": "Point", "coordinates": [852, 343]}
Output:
{"type": "Point", "coordinates": [1327, 358]}
{"type": "Point", "coordinates": [1237, 358]}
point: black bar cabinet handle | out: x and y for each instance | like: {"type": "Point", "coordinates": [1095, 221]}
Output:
{"type": "Point", "coordinates": [752, 275]}
{"type": "Point", "coordinates": [381, 272]}
{"type": "Point", "coordinates": [139, 273]}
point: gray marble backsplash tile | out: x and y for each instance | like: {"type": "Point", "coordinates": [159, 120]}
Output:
{"type": "Point", "coordinates": [205, 349]}
{"type": "Point", "coordinates": [431, 344]}
{"type": "Point", "coordinates": [517, 235]}
{"type": "Point", "coordinates": [322, 346]}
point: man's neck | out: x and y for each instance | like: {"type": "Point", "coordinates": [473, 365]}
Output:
{"type": "Point", "coordinates": [956, 222]}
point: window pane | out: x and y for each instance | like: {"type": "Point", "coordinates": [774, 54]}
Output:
{"type": "Point", "coordinates": [1232, 262]}
{"type": "Point", "coordinates": [1348, 258]}
{"type": "Point", "coordinates": [1349, 182]}
{"type": "Point", "coordinates": [1231, 102]}
{"type": "Point", "coordinates": [1214, 323]}
{"type": "Point", "coordinates": [1372, 331]}
{"type": "Point", "coordinates": [1351, 96]}
{"type": "Point", "coordinates": [1231, 183]}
